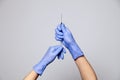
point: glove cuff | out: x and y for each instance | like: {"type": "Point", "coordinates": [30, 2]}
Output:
{"type": "Point", "coordinates": [39, 69]}
{"type": "Point", "coordinates": [77, 55]}
{"type": "Point", "coordinates": [75, 51]}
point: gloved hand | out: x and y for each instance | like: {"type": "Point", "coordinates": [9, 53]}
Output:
{"type": "Point", "coordinates": [49, 57]}
{"type": "Point", "coordinates": [63, 34]}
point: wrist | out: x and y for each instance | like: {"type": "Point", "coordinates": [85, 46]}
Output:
{"type": "Point", "coordinates": [75, 51]}
{"type": "Point", "coordinates": [73, 46]}
{"type": "Point", "coordinates": [40, 67]}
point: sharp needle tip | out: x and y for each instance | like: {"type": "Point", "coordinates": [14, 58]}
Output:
{"type": "Point", "coordinates": [61, 17]}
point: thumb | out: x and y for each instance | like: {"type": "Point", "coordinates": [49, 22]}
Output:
{"type": "Point", "coordinates": [58, 50]}
{"type": "Point", "coordinates": [63, 27]}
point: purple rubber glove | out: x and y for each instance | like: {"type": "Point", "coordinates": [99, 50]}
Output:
{"type": "Point", "coordinates": [63, 34]}
{"type": "Point", "coordinates": [51, 54]}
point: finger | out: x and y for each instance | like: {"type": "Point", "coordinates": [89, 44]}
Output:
{"type": "Point", "coordinates": [64, 51]}
{"type": "Point", "coordinates": [59, 28]}
{"type": "Point", "coordinates": [58, 50]}
{"type": "Point", "coordinates": [59, 36]}
{"type": "Point", "coordinates": [54, 48]}
{"type": "Point", "coordinates": [58, 39]}
{"type": "Point", "coordinates": [58, 56]}
{"type": "Point", "coordinates": [58, 32]}
{"type": "Point", "coordinates": [62, 55]}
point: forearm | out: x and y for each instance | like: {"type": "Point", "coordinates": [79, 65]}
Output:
{"type": "Point", "coordinates": [86, 71]}
{"type": "Point", "coordinates": [31, 76]}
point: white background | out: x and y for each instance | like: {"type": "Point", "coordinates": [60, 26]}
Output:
{"type": "Point", "coordinates": [27, 30]}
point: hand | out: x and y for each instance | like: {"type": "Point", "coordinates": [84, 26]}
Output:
{"type": "Point", "coordinates": [51, 54]}
{"type": "Point", "coordinates": [63, 34]}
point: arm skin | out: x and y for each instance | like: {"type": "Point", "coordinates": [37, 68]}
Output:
{"type": "Point", "coordinates": [32, 76]}
{"type": "Point", "coordinates": [85, 69]}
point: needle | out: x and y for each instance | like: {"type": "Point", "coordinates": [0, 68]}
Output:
{"type": "Point", "coordinates": [60, 41]}
{"type": "Point", "coordinates": [61, 30]}
{"type": "Point", "coordinates": [61, 18]}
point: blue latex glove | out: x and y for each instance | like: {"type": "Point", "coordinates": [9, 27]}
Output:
{"type": "Point", "coordinates": [63, 34]}
{"type": "Point", "coordinates": [49, 57]}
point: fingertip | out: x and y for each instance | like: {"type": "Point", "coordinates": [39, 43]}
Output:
{"type": "Point", "coordinates": [64, 51]}
{"type": "Point", "coordinates": [58, 56]}
{"type": "Point", "coordinates": [62, 56]}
